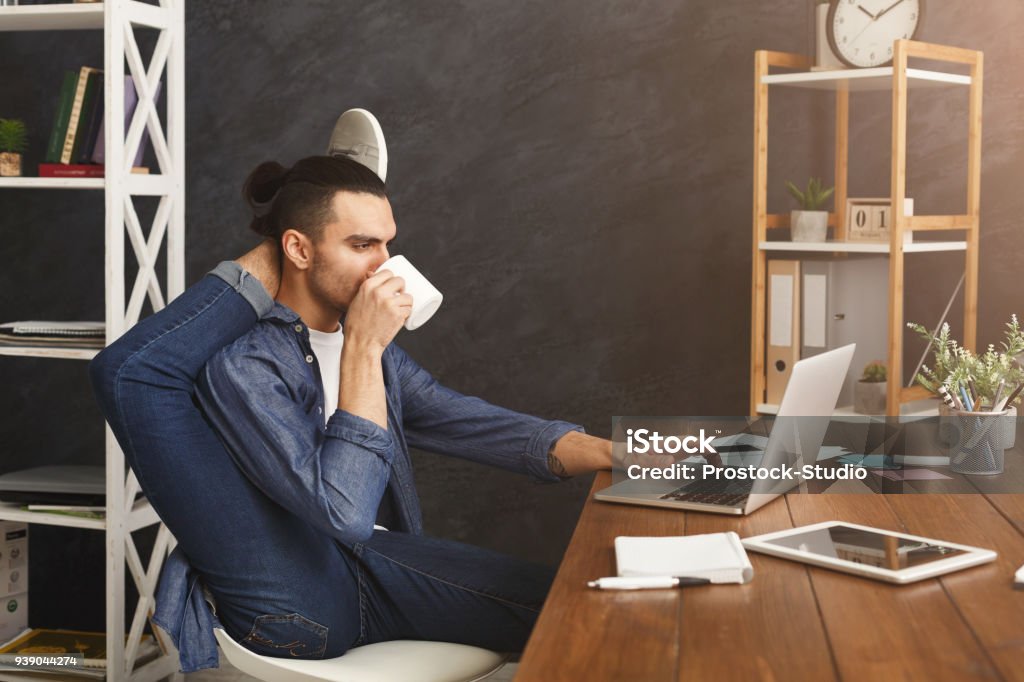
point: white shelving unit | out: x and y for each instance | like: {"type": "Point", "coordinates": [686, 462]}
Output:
{"type": "Point", "coordinates": [118, 19]}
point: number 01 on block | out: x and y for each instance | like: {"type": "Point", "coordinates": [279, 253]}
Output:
{"type": "Point", "coordinates": [870, 220]}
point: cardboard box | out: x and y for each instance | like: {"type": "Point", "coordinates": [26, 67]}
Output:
{"type": "Point", "coordinates": [13, 581]}
{"type": "Point", "coordinates": [13, 558]}
{"type": "Point", "coordinates": [13, 615]}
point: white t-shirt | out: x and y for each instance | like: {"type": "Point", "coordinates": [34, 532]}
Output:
{"type": "Point", "coordinates": [327, 348]}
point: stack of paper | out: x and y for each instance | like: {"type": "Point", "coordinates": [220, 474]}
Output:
{"type": "Point", "coordinates": [62, 334]}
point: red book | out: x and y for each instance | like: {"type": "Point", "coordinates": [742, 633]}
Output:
{"type": "Point", "coordinates": [70, 170]}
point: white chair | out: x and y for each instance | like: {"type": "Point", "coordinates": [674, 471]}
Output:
{"type": "Point", "coordinates": [398, 661]}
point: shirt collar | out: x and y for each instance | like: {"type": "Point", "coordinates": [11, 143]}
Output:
{"type": "Point", "coordinates": [282, 313]}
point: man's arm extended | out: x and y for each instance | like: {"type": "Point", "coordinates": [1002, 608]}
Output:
{"type": "Point", "coordinates": [578, 453]}
{"type": "Point", "coordinates": [441, 420]}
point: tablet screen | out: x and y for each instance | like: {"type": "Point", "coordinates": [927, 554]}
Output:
{"type": "Point", "coordinates": [871, 548]}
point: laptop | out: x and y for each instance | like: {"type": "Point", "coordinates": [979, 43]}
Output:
{"type": "Point", "coordinates": [795, 439]}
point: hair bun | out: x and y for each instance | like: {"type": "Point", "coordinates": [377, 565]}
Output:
{"type": "Point", "coordinates": [259, 190]}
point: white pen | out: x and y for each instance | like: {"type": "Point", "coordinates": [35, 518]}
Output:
{"type": "Point", "coordinates": [645, 582]}
{"type": "Point", "coordinates": [1018, 579]}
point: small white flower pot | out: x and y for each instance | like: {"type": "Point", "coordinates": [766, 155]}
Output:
{"type": "Point", "coordinates": [869, 397]}
{"type": "Point", "coordinates": [10, 165]}
{"type": "Point", "coordinates": [808, 226]}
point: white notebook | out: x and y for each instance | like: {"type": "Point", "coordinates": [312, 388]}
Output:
{"type": "Point", "coordinates": [719, 557]}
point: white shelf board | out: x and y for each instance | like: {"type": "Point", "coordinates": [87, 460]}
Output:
{"type": "Point", "coordinates": [917, 409]}
{"type": "Point", "coordinates": [50, 352]}
{"type": "Point", "coordinates": [879, 78]}
{"type": "Point", "coordinates": [138, 184]}
{"type": "Point", "coordinates": [14, 512]}
{"type": "Point", "coordinates": [68, 16]}
{"type": "Point", "coordinates": [860, 247]}
{"type": "Point", "coordinates": [142, 515]}
{"type": "Point", "coordinates": [60, 17]}
{"type": "Point", "coordinates": [52, 183]}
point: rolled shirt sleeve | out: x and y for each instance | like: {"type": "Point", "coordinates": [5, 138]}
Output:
{"type": "Point", "coordinates": [438, 419]}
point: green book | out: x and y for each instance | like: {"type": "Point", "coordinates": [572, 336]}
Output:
{"type": "Point", "coordinates": [91, 87]}
{"type": "Point", "coordinates": [60, 121]}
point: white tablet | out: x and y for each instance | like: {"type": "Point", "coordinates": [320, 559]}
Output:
{"type": "Point", "coordinates": [869, 552]}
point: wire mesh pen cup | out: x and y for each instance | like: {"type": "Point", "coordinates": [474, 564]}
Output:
{"type": "Point", "coordinates": [977, 441]}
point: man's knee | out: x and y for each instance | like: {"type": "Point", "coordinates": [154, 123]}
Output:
{"type": "Point", "coordinates": [103, 371]}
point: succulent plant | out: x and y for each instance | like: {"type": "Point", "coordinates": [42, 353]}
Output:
{"type": "Point", "coordinates": [874, 373]}
{"type": "Point", "coordinates": [813, 198]}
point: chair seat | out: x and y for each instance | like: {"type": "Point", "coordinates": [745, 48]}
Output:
{"type": "Point", "coordinates": [405, 660]}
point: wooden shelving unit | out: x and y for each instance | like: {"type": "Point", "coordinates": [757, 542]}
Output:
{"type": "Point", "coordinates": [118, 19]}
{"type": "Point", "coordinates": [898, 79]}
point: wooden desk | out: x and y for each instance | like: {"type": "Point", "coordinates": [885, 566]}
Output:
{"type": "Point", "coordinates": [793, 622]}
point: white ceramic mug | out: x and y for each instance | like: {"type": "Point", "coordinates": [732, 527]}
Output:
{"type": "Point", "coordinates": [426, 299]}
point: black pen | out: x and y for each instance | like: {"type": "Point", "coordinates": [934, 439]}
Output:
{"type": "Point", "coordinates": [1008, 401]}
{"type": "Point", "coordinates": [646, 582]}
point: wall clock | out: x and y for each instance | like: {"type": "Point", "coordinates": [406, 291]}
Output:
{"type": "Point", "coordinates": [861, 32]}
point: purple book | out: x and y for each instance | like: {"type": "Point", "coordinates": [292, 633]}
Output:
{"type": "Point", "coordinates": [131, 100]}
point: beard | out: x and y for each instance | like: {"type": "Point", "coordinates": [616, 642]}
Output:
{"type": "Point", "coordinates": [331, 289]}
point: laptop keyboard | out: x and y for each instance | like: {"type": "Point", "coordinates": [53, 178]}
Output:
{"type": "Point", "coordinates": [713, 491]}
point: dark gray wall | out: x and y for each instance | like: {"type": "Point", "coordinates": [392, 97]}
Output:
{"type": "Point", "coordinates": [574, 175]}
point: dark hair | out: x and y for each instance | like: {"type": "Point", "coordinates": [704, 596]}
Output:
{"type": "Point", "coordinates": [300, 197]}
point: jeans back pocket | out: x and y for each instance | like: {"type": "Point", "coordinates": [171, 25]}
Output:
{"type": "Point", "coordinates": [286, 636]}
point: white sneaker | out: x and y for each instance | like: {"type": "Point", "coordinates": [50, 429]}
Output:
{"type": "Point", "coordinates": [357, 135]}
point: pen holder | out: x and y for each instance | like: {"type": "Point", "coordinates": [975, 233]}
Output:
{"type": "Point", "coordinates": [977, 441]}
{"type": "Point", "coordinates": [949, 425]}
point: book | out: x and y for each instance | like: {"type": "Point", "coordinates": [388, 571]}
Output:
{"type": "Point", "coordinates": [60, 119]}
{"type": "Point", "coordinates": [92, 129]}
{"type": "Point", "coordinates": [719, 557]}
{"type": "Point", "coordinates": [93, 93]}
{"type": "Point", "coordinates": [131, 100]}
{"type": "Point", "coordinates": [81, 511]}
{"type": "Point", "coordinates": [12, 673]}
{"type": "Point", "coordinates": [76, 113]}
{"type": "Point", "coordinates": [70, 170]}
{"type": "Point", "coordinates": [44, 642]}
{"type": "Point", "coordinates": [91, 645]}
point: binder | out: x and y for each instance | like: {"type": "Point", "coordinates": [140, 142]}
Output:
{"type": "Point", "coordinates": [783, 347]}
{"type": "Point", "coordinates": [815, 307]}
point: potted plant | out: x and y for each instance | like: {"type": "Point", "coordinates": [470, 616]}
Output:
{"type": "Point", "coordinates": [809, 223]}
{"type": "Point", "coordinates": [988, 379]}
{"type": "Point", "coordinates": [13, 141]}
{"type": "Point", "coordinates": [977, 417]}
{"type": "Point", "coordinates": [869, 392]}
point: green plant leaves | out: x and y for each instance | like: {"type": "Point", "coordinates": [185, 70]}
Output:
{"type": "Point", "coordinates": [813, 198]}
{"type": "Point", "coordinates": [13, 135]}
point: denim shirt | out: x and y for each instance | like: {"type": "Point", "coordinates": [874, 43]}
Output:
{"type": "Point", "coordinates": [264, 397]}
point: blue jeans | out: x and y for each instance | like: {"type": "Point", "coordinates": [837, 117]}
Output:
{"type": "Point", "coordinates": [282, 587]}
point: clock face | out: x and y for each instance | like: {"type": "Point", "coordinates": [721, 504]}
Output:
{"type": "Point", "coordinates": [861, 32]}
